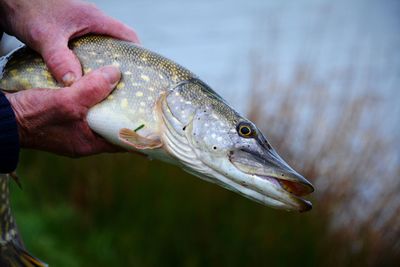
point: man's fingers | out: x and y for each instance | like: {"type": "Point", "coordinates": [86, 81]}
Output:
{"type": "Point", "coordinates": [94, 87]}
{"type": "Point", "coordinates": [62, 62]}
{"type": "Point", "coordinates": [104, 24]}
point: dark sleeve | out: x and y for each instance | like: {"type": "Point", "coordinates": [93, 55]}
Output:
{"type": "Point", "coordinates": [9, 140]}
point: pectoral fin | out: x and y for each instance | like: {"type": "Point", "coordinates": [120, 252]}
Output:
{"type": "Point", "coordinates": [16, 179]}
{"type": "Point", "coordinates": [137, 141]}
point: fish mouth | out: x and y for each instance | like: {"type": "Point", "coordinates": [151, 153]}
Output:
{"type": "Point", "coordinates": [298, 189]}
{"type": "Point", "coordinates": [274, 181]}
{"type": "Point", "coordinates": [294, 190]}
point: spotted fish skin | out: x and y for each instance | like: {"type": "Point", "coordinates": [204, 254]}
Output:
{"type": "Point", "coordinates": [145, 76]}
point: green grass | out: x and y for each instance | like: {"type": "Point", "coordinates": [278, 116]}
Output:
{"type": "Point", "coordinates": [124, 210]}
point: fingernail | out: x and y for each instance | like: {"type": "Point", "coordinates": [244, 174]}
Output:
{"type": "Point", "coordinates": [68, 78]}
{"type": "Point", "coordinates": [112, 74]}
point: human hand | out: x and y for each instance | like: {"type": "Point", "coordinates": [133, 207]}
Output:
{"type": "Point", "coordinates": [55, 120]}
{"type": "Point", "coordinates": [47, 25]}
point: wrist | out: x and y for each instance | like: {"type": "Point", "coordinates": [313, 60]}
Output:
{"type": "Point", "coordinates": [19, 118]}
{"type": "Point", "coordinates": [9, 137]}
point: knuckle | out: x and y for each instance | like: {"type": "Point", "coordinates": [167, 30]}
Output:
{"type": "Point", "coordinates": [38, 32]}
{"type": "Point", "coordinates": [61, 101]}
{"type": "Point", "coordinates": [88, 10]}
{"type": "Point", "coordinates": [98, 81]}
{"type": "Point", "coordinates": [69, 108]}
{"type": "Point", "coordinates": [91, 6]}
{"type": "Point", "coordinates": [60, 62]}
{"type": "Point", "coordinates": [54, 59]}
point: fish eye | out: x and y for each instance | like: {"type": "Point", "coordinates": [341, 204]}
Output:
{"type": "Point", "coordinates": [245, 130]}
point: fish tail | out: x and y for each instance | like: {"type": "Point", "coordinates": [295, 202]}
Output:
{"type": "Point", "coordinates": [12, 250]}
{"type": "Point", "coordinates": [11, 255]}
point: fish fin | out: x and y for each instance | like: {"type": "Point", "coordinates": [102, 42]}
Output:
{"type": "Point", "coordinates": [13, 255]}
{"type": "Point", "coordinates": [8, 91]}
{"type": "Point", "coordinates": [137, 141]}
{"type": "Point", "coordinates": [16, 179]}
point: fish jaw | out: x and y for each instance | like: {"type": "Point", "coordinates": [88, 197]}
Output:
{"type": "Point", "coordinates": [267, 190]}
{"type": "Point", "coordinates": [281, 183]}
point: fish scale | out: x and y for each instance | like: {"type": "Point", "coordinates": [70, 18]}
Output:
{"type": "Point", "coordinates": [145, 75]}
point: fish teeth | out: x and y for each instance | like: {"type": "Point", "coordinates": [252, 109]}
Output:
{"type": "Point", "coordinates": [287, 188]}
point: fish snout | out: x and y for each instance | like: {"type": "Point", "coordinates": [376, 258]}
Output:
{"type": "Point", "coordinates": [288, 185]}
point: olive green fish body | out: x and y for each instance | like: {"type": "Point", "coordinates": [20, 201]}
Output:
{"type": "Point", "coordinates": [161, 109]}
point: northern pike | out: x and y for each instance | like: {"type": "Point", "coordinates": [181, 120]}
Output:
{"type": "Point", "coordinates": [163, 110]}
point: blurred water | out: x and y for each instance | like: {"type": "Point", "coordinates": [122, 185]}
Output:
{"type": "Point", "coordinates": [218, 39]}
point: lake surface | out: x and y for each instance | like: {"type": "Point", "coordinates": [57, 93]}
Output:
{"type": "Point", "coordinates": [219, 39]}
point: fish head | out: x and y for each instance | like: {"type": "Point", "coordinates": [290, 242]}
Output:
{"type": "Point", "coordinates": [217, 144]}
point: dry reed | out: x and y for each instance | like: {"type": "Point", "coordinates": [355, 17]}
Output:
{"type": "Point", "coordinates": [332, 135]}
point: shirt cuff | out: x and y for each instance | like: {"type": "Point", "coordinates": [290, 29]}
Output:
{"type": "Point", "coordinates": [9, 139]}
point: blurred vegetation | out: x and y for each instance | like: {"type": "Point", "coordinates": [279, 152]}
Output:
{"type": "Point", "coordinates": [335, 131]}
{"type": "Point", "coordinates": [125, 210]}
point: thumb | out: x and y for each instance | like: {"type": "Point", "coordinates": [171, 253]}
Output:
{"type": "Point", "coordinates": [61, 61]}
{"type": "Point", "coordinates": [94, 86]}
